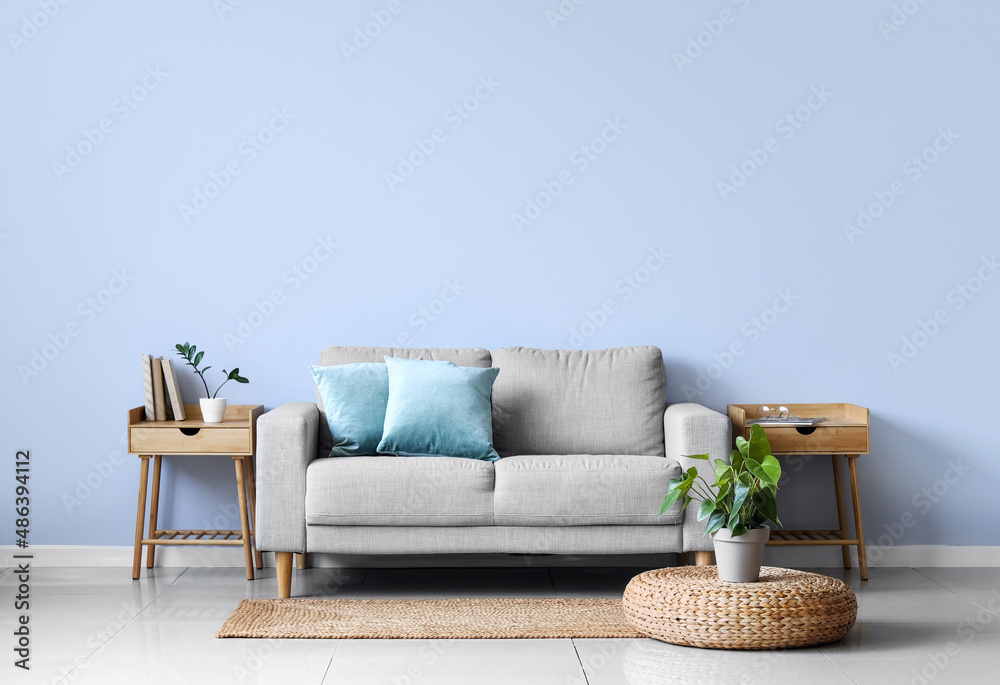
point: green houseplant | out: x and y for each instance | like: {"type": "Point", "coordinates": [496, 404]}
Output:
{"type": "Point", "coordinates": [213, 408]}
{"type": "Point", "coordinates": [738, 505]}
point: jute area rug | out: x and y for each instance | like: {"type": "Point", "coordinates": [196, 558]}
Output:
{"type": "Point", "coordinates": [428, 618]}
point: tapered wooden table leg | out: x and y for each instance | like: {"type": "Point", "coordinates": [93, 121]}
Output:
{"type": "Point", "coordinates": [252, 493]}
{"type": "Point", "coordinates": [859, 529]}
{"type": "Point", "coordinates": [244, 519]}
{"type": "Point", "coordinates": [154, 507]}
{"type": "Point", "coordinates": [140, 516]}
{"type": "Point", "coordinates": [841, 514]}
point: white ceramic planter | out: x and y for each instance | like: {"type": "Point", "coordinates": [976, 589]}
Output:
{"type": "Point", "coordinates": [212, 410]}
{"type": "Point", "coordinates": [738, 559]}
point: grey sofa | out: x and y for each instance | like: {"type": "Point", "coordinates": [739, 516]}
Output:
{"type": "Point", "coordinates": [587, 446]}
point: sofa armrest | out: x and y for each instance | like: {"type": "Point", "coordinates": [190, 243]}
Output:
{"type": "Point", "coordinates": [286, 442]}
{"type": "Point", "coordinates": [691, 428]}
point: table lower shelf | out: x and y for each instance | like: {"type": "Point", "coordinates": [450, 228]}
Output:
{"type": "Point", "coordinates": [809, 537]}
{"type": "Point", "coordinates": [196, 537]}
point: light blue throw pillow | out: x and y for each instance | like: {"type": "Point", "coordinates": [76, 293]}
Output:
{"type": "Point", "coordinates": [438, 408]}
{"type": "Point", "coordinates": [354, 398]}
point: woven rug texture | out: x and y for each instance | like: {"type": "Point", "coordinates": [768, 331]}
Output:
{"type": "Point", "coordinates": [428, 618]}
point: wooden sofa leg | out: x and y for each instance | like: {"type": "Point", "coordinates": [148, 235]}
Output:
{"type": "Point", "coordinates": [283, 561]}
{"type": "Point", "coordinates": [704, 558]}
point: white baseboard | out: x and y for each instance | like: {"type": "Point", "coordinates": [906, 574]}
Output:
{"type": "Point", "coordinates": [902, 556]}
{"type": "Point", "coordinates": [815, 557]}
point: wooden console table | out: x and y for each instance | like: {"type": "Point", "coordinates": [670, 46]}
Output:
{"type": "Point", "coordinates": [844, 432]}
{"type": "Point", "coordinates": [235, 436]}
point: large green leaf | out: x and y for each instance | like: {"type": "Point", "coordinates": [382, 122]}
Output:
{"type": "Point", "coordinates": [669, 500]}
{"type": "Point", "coordinates": [703, 457]}
{"type": "Point", "coordinates": [764, 501]}
{"type": "Point", "coordinates": [723, 471]}
{"type": "Point", "coordinates": [715, 522]}
{"type": "Point", "coordinates": [759, 446]}
{"type": "Point", "coordinates": [706, 509]}
{"type": "Point", "coordinates": [769, 473]}
{"type": "Point", "coordinates": [736, 461]}
{"type": "Point", "coordinates": [724, 489]}
{"type": "Point", "coordinates": [677, 488]}
{"type": "Point", "coordinates": [773, 468]}
{"type": "Point", "coordinates": [740, 493]}
{"type": "Point", "coordinates": [742, 446]}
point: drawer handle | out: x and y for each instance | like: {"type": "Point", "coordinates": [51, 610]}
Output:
{"type": "Point", "coordinates": [190, 431]}
{"type": "Point", "coordinates": [803, 430]}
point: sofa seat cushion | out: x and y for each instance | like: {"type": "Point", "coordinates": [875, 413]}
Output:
{"type": "Point", "coordinates": [404, 491]}
{"type": "Point", "coordinates": [583, 490]}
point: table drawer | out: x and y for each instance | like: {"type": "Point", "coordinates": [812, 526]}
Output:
{"type": "Point", "coordinates": [820, 439]}
{"type": "Point", "coordinates": [176, 441]}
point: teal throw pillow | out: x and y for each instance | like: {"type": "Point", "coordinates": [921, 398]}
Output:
{"type": "Point", "coordinates": [354, 397]}
{"type": "Point", "coordinates": [438, 408]}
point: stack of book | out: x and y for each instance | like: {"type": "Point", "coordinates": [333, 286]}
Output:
{"type": "Point", "coordinates": [159, 382]}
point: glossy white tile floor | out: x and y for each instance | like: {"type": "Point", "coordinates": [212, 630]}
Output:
{"type": "Point", "coordinates": [96, 625]}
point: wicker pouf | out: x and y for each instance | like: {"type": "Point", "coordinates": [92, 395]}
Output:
{"type": "Point", "coordinates": [689, 605]}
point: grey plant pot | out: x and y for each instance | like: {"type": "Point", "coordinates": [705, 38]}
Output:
{"type": "Point", "coordinates": [738, 559]}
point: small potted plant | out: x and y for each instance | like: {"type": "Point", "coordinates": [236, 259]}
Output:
{"type": "Point", "coordinates": [737, 506]}
{"type": "Point", "coordinates": [213, 408]}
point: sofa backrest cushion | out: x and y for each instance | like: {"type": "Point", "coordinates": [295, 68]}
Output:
{"type": "Point", "coordinates": [579, 401]}
{"type": "Point", "coordinates": [332, 356]}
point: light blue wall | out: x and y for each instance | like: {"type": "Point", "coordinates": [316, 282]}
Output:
{"type": "Point", "coordinates": [872, 86]}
